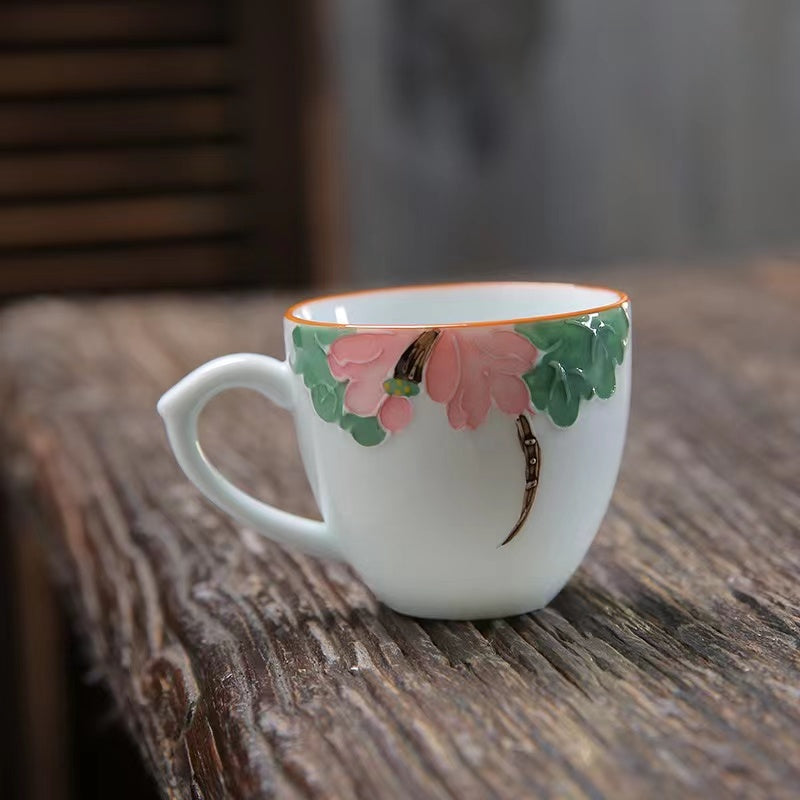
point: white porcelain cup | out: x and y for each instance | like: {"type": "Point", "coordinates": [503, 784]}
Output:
{"type": "Point", "coordinates": [462, 441]}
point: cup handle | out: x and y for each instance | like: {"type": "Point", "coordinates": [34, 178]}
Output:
{"type": "Point", "coordinates": [180, 408]}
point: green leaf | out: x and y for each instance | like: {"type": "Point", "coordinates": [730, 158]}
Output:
{"type": "Point", "coordinates": [575, 345]}
{"type": "Point", "coordinates": [603, 378]}
{"type": "Point", "coordinates": [539, 380]}
{"type": "Point", "coordinates": [310, 359]}
{"type": "Point", "coordinates": [609, 345]}
{"type": "Point", "coordinates": [544, 335]}
{"type": "Point", "coordinates": [327, 336]}
{"type": "Point", "coordinates": [316, 370]}
{"type": "Point", "coordinates": [558, 390]}
{"type": "Point", "coordinates": [566, 393]}
{"type": "Point", "coordinates": [617, 318]}
{"type": "Point", "coordinates": [365, 430]}
{"type": "Point", "coordinates": [580, 359]}
{"type": "Point", "coordinates": [327, 401]}
{"type": "Point", "coordinates": [297, 336]}
{"type": "Point", "coordinates": [607, 351]}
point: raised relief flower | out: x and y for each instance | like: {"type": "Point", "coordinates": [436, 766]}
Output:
{"type": "Point", "coordinates": [367, 362]}
{"type": "Point", "coordinates": [470, 369]}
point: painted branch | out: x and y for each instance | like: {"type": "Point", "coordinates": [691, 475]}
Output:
{"type": "Point", "coordinates": [533, 462]}
{"type": "Point", "coordinates": [411, 364]}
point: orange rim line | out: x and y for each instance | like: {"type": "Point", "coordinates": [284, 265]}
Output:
{"type": "Point", "coordinates": [290, 314]}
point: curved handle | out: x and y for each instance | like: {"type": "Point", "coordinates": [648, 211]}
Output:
{"type": "Point", "coordinates": [180, 408]}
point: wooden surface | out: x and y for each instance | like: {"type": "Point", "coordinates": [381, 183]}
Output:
{"type": "Point", "coordinates": [668, 667]}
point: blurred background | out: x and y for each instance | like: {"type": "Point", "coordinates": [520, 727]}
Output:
{"type": "Point", "coordinates": [147, 143]}
{"type": "Point", "coordinates": [152, 144]}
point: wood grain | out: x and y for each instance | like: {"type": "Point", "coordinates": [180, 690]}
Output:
{"type": "Point", "coordinates": [668, 667]}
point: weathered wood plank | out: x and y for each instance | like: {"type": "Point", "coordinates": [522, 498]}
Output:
{"type": "Point", "coordinates": [42, 691]}
{"type": "Point", "coordinates": [668, 667]}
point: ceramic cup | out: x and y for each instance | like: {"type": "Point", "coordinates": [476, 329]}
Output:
{"type": "Point", "coordinates": [462, 441]}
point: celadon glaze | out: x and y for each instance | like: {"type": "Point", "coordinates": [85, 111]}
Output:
{"type": "Point", "coordinates": [461, 469]}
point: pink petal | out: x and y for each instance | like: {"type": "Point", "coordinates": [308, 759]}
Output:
{"type": "Point", "coordinates": [475, 400]}
{"type": "Point", "coordinates": [352, 356]}
{"type": "Point", "coordinates": [395, 413]}
{"type": "Point", "coordinates": [444, 369]}
{"type": "Point", "coordinates": [364, 397]}
{"type": "Point", "coordinates": [506, 351]}
{"type": "Point", "coordinates": [456, 415]}
{"type": "Point", "coordinates": [510, 394]}
{"type": "Point", "coordinates": [368, 356]}
{"type": "Point", "coordinates": [359, 348]}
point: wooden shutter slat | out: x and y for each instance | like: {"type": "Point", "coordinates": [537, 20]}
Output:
{"type": "Point", "coordinates": [122, 220]}
{"type": "Point", "coordinates": [93, 122]}
{"type": "Point", "coordinates": [42, 23]}
{"type": "Point", "coordinates": [74, 174]}
{"type": "Point", "coordinates": [178, 264]}
{"type": "Point", "coordinates": [156, 69]}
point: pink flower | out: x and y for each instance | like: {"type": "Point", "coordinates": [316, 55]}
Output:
{"type": "Point", "coordinates": [469, 369]}
{"type": "Point", "coordinates": [366, 360]}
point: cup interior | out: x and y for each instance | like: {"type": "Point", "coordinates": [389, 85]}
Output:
{"type": "Point", "coordinates": [455, 304]}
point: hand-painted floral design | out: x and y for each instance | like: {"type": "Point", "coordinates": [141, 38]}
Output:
{"type": "Point", "coordinates": [367, 361]}
{"type": "Point", "coordinates": [364, 381]}
{"type": "Point", "coordinates": [469, 369]}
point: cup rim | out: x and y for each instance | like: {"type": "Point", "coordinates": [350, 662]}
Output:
{"type": "Point", "coordinates": [291, 315]}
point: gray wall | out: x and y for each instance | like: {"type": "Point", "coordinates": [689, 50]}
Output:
{"type": "Point", "coordinates": [501, 136]}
